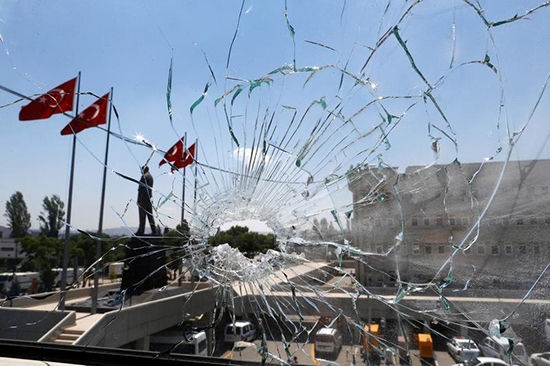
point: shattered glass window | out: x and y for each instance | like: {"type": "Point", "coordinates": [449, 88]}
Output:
{"type": "Point", "coordinates": [330, 182]}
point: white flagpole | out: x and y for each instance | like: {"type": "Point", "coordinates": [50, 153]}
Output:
{"type": "Point", "coordinates": [196, 172]}
{"type": "Point", "coordinates": [180, 272]}
{"type": "Point", "coordinates": [95, 290]}
{"type": "Point", "coordinates": [185, 152]}
{"type": "Point", "coordinates": [69, 207]}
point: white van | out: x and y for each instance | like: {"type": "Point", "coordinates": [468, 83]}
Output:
{"type": "Point", "coordinates": [166, 340]}
{"type": "Point", "coordinates": [240, 331]}
{"type": "Point", "coordinates": [497, 347]}
{"type": "Point", "coordinates": [196, 347]}
{"type": "Point", "coordinates": [328, 341]}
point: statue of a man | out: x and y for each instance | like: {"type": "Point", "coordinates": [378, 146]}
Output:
{"type": "Point", "coordinates": [145, 194]}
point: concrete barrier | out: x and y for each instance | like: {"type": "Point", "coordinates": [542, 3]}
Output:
{"type": "Point", "coordinates": [53, 297]}
{"type": "Point", "coordinates": [128, 324]}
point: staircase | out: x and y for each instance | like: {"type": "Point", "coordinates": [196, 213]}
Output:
{"type": "Point", "coordinates": [68, 336]}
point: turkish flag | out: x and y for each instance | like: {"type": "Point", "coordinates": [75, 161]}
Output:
{"type": "Point", "coordinates": [178, 156]}
{"type": "Point", "coordinates": [94, 115]}
{"type": "Point", "coordinates": [187, 160]}
{"type": "Point", "coordinates": [175, 153]}
{"type": "Point", "coordinates": [57, 100]}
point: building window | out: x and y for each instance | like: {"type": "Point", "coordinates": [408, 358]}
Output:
{"type": "Point", "coordinates": [494, 249]}
{"type": "Point", "coordinates": [536, 249]}
{"type": "Point", "coordinates": [481, 249]}
{"type": "Point", "coordinates": [416, 248]}
{"type": "Point", "coordinates": [379, 248]}
{"type": "Point", "coordinates": [428, 249]}
{"type": "Point", "coordinates": [522, 249]}
{"type": "Point", "coordinates": [519, 222]}
{"type": "Point", "coordinates": [426, 222]}
{"type": "Point", "coordinates": [508, 249]}
{"type": "Point", "coordinates": [441, 249]}
{"type": "Point", "coordinates": [439, 221]}
{"type": "Point", "coordinates": [452, 221]}
{"type": "Point", "coordinates": [414, 221]}
{"type": "Point", "coordinates": [6, 249]}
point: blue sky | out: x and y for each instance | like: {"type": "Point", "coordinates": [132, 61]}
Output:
{"type": "Point", "coordinates": [128, 45]}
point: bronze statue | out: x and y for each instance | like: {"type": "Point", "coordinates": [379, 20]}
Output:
{"type": "Point", "coordinates": [145, 194]}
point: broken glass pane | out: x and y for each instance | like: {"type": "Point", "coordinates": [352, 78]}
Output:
{"type": "Point", "coordinates": [331, 182]}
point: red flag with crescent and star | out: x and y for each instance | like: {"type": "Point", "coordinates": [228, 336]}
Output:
{"type": "Point", "coordinates": [94, 115]}
{"type": "Point", "coordinates": [187, 160]}
{"type": "Point", "coordinates": [178, 157]}
{"type": "Point", "coordinates": [175, 153]}
{"type": "Point", "coordinates": [58, 100]}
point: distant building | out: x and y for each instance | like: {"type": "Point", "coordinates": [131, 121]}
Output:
{"type": "Point", "coordinates": [7, 249]}
{"type": "Point", "coordinates": [436, 207]}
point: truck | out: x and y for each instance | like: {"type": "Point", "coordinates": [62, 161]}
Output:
{"type": "Point", "coordinates": [328, 342]}
{"type": "Point", "coordinates": [70, 275]}
{"type": "Point", "coordinates": [371, 335]}
{"type": "Point", "coordinates": [23, 279]}
{"type": "Point", "coordinates": [425, 345]}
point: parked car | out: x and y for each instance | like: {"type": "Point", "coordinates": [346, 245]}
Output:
{"type": "Point", "coordinates": [462, 350]}
{"type": "Point", "coordinates": [498, 348]}
{"type": "Point", "coordinates": [485, 361]}
{"type": "Point", "coordinates": [540, 359]}
{"type": "Point", "coordinates": [240, 331]}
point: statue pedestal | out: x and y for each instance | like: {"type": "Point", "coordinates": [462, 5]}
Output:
{"type": "Point", "coordinates": [144, 267]}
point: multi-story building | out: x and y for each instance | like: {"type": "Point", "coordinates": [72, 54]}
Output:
{"type": "Point", "coordinates": [437, 209]}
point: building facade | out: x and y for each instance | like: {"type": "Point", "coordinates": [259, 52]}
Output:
{"type": "Point", "coordinates": [437, 209]}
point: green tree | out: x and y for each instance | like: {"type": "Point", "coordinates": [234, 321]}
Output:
{"type": "Point", "coordinates": [52, 216]}
{"type": "Point", "coordinates": [19, 218]}
{"type": "Point", "coordinates": [84, 247]}
{"type": "Point", "coordinates": [43, 254]}
{"type": "Point", "coordinates": [249, 243]}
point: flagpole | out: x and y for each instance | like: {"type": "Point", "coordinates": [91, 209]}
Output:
{"type": "Point", "coordinates": [180, 274]}
{"type": "Point", "coordinates": [183, 190]}
{"type": "Point", "coordinates": [196, 172]}
{"type": "Point", "coordinates": [95, 290]}
{"type": "Point", "coordinates": [69, 207]}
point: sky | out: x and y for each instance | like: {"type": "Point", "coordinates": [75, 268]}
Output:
{"type": "Point", "coordinates": [128, 45]}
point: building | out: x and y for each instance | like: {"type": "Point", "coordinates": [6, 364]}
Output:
{"type": "Point", "coordinates": [437, 208]}
{"type": "Point", "coordinates": [7, 249]}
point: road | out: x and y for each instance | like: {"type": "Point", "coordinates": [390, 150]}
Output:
{"type": "Point", "coordinates": [304, 353]}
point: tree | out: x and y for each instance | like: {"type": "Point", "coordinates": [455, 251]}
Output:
{"type": "Point", "coordinates": [19, 218]}
{"type": "Point", "coordinates": [43, 254]}
{"type": "Point", "coordinates": [249, 243]}
{"type": "Point", "coordinates": [51, 219]}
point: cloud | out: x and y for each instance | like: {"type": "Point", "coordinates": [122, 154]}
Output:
{"type": "Point", "coordinates": [245, 153]}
